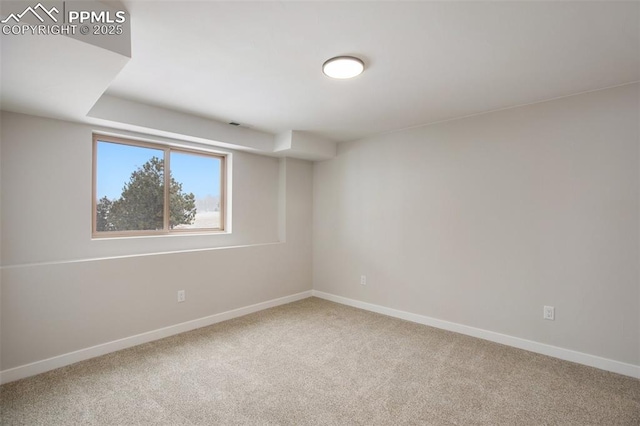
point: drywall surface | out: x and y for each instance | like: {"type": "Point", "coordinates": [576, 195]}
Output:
{"type": "Point", "coordinates": [62, 291]}
{"type": "Point", "coordinates": [482, 221]}
{"type": "Point", "coordinates": [47, 193]}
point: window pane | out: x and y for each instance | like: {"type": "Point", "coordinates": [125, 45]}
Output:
{"type": "Point", "coordinates": [195, 191]}
{"type": "Point", "coordinates": [129, 187]}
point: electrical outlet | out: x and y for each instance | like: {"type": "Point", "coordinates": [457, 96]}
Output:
{"type": "Point", "coordinates": [549, 313]}
{"type": "Point", "coordinates": [363, 279]}
{"type": "Point", "coordinates": [182, 296]}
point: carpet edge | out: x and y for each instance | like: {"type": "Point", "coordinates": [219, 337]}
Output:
{"type": "Point", "coordinates": [42, 366]}
{"type": "Point", "coordinates": [595, 361]}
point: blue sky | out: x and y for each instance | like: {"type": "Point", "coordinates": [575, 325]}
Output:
{"type": "Point", "coordinates": [115, 163]}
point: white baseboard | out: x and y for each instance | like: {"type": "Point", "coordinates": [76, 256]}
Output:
{"type": "Point", "coordinates": [38, 367]}
{"type": "Point", "coordinates": [529, 345]}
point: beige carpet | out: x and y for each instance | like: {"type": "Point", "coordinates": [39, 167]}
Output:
{"type": "Point", "coordinates": [316, 362]}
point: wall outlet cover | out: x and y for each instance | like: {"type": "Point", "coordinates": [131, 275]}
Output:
{"type": "Point", "coordinates": [549, 313]}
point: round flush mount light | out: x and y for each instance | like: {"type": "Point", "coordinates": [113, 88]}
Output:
{"type": "Point", "coordinates": [343, 67]}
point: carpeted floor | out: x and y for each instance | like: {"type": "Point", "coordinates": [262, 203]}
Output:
{"type": "Point", "coordinates": [317, 362]}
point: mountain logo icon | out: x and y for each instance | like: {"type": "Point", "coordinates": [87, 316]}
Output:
{"type": "Point", "coordinates": [34, 11]}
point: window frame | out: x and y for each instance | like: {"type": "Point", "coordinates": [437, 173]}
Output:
{"type": "Point", "coordinates": [167, 149]}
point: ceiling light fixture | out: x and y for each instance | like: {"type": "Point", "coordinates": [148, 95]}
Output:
{"type": "Point", "coordinates": [343, 67]}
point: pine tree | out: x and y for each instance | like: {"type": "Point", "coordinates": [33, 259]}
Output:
{"type": "Point", "coordinates": [102, 212]}
{"type": "Point", "coordinates": [141, 204]}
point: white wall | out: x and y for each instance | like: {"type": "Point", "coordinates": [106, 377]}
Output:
{"type": "Point", "coordinates": [483, 220]}
{"type": "Point", "coordinates": [62, 291]}
{"type": "Point", "coordinates": [479, 221]}
{"type": "Point", "coordinates": [47, 197]}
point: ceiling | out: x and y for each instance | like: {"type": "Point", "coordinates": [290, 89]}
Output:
{"type": "Point", "coordinates": [259, 64]}
{"type": "Point", "coordinates": [196, 66]}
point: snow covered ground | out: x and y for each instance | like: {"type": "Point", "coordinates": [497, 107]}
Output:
{"type": "Point", "coordinates": [204, 220]}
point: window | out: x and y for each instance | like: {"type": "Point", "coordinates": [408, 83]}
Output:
{"type": "Point", "coordinates": [134, 195]}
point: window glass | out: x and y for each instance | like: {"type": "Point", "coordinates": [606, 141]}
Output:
{"type": "Point", "coordinates": [130, 188]}
{"type": "Point", "coordinates": [134, 195]}
{"type": "Point", "coordinates": [199, 176]}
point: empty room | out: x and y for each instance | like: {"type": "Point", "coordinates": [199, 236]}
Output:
{"type": "Point", "coordinates": [320, 213]}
